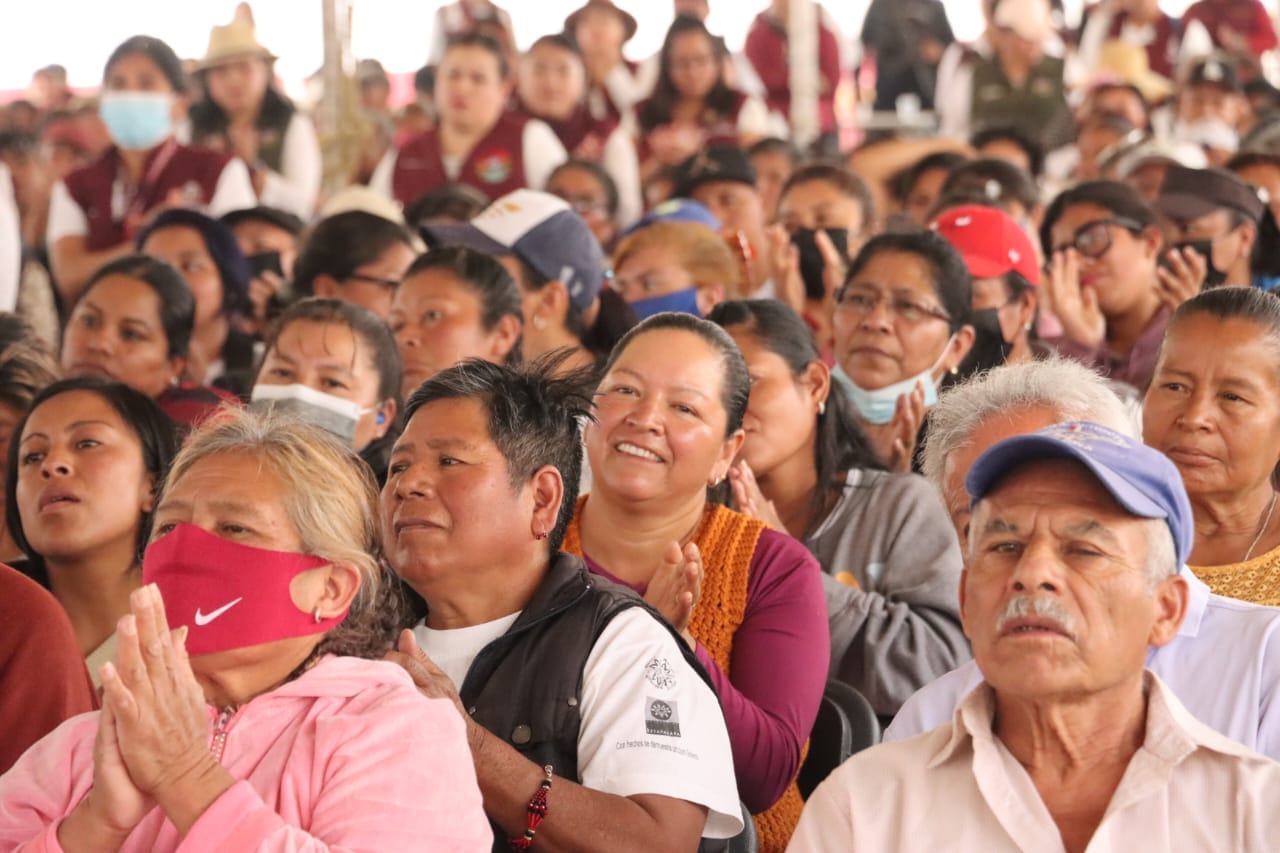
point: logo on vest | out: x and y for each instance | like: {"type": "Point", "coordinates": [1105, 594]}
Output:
{"type": "Point", "coordinates": [660, 718]}
{"type": "Point", "coordinates": [658, 673]}
{"type": "Point", "coordinates": [494, 168]}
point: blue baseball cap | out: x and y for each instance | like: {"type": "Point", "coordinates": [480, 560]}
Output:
{"type": "Point", "coordinates": [677, 210]}
{"type": "Point", "coordinates": [1142, 480]}
{"type": "Point", "coordinates": [540, 229]}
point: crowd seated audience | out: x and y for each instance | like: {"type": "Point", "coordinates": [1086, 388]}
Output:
{"type": "Point", "coordinates": [607, 430]}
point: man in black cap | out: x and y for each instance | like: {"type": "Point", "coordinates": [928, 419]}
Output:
{"type": "Point", "coordinates": [1211, 106]}
{"type": "Point", "coordinates": [722, 178]}
{"type": "Point", "coordinates": [1217, 214]}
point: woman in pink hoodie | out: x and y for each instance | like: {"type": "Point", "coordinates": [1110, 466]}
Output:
{"type": "Point", "coordinates": [266, 720]}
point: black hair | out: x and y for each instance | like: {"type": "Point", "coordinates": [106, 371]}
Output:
{"type": "Point", "coordinates": [842, 179]}
{"type": "Point", "coordinates": [995, 179]}
{"type": "Point", "coordinates": [1033, 150]}
{"type": "Point", "coordinates": [451, 202]}
{"type": "Point", "coordinates": [536, 415]}
{"type": "Point", "coordinates": [362, 322]}
{"type": "Point", "coordinates": [20, 142]}
{"type": "Point", "coordinates": [274, 216]}
{"type": "Point", "coordinates": [735, 385]}
{"type": "Point", "coordinates": [775, 145]}
{"type": "Point", "coordinates": [340, 244]}
{"type": "Point", "coordinates": [223, 248]}
{"type": "Point", "coordinates": [597, 172]}
{"type": "Point", "coordinates": [177, 304]}
{"type": "Point", "coordinates": [840, 443]}
{"type": "Point", "coordinates": [905, 181]}
{"type": "Point", "coordinates": [952, 283]}
{"type": "Point", "coordinates": [482, 41]}
{"type": "Point", "coordinates": [660, 106]}
{"type": "Point", "coordinates": [1120, 199]}
{"type": "Point", "coordinates": [483, 275]}
{"type": "Point", "coordinates": [1235, 303]}
{"type": "Point", "coordinates": [156, 433]}
{"type": "Point", "coordinates": [562, 41]}
{"type": "Point", "coordinates": [210, 120]}
{"type": "Point", "coordinates": [735, 381]}
{"type": "Point", "coordinates": [158, 52]}
{"type": "Point", "coordinates": [424, 80]}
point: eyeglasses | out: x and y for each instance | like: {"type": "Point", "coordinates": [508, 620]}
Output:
{"type": "Point", "coordinates": [1093, 239]}
{"type": "Point", "coordinates": [862, 301]}
{"type": "Point", "coordinates": [582, 205]}
{"type": "Point", "coordinates": [374, 279]}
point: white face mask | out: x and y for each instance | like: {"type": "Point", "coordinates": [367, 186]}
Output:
{"type": "Point", "coordinates": [317, 408]}
{"type": "Point", "coordinates": [877, 405]}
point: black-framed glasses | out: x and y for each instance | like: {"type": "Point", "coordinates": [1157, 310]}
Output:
{"type": "Point", "coordinates": [1093, 239]}
{"type": "Point", "coordinates": [861, 301]}
{"type": "Point", "coordinates": [374, 279]}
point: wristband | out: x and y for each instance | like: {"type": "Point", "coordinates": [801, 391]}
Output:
{"type": "Point", "coordinates": [537, 811]}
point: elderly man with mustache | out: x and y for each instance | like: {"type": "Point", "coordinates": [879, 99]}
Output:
{"type": "Point", "coordinates": [1069, 742]}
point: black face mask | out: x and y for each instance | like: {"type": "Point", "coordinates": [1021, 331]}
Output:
{"type": "Point", "coordinates": [990, 349]}
{"type": "Point", "coordinates": [811, 262]}
{"type": "Point", "coordinates": [1213, 277]}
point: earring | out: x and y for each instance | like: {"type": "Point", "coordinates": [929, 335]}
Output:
{"type": "Point", "coordinates": [315, 614]}
{"type": "Point", "coordinates": [822, 407]}
{"type": "Point", "coordinates": [540, 535]}
{"type": "Point", "coordinates": [954, 371]}
{"type": "Point", "coordinates": [1026, 328]}
{"type": "Point", "coordinates": [539, 322]}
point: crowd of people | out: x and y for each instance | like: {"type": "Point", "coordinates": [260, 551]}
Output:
{"type": "Point", "coordinates": [534, 487]}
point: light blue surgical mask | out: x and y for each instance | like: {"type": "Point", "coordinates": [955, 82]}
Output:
{"type": "Point", "coordinates": [877, 405]}
{"type": "Point", "coordinates": [682, 302]}
{"type": "Point", "coordinates": [137, 120]}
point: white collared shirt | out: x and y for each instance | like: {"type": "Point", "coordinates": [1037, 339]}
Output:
{"type": "Point", "coordinates": [958, 788]}
{"type": "Point", "coordinates": [1224, 667]}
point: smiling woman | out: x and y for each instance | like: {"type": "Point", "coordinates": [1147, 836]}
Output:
{"type": "Point", "coordinates": [1214, 409]}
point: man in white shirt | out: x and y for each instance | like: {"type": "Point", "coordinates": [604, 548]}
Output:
{"type": "Point", "coordinates": [1224, 663]}
{"type": "Point", "coordinates": [559, 675]}
{"type": "Point", "coordinates": [1075, 541]}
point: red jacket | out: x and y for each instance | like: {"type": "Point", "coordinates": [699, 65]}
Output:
{"type": "Point", "coordinates": [1249, 18]}
{"type": "Point", "coordinates": [767, 50]}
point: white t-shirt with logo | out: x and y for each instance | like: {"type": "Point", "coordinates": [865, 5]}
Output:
{"type": "Point", "coordinates": [650, 724]}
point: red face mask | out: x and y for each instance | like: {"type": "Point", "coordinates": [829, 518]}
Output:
{"type": "Point", "coordinates": [229, 595]}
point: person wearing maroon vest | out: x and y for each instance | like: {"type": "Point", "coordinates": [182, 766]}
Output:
{"type": "Point", "coordinates": [551, 87]}
{"type": "Point", "coordinates": [767, 49]}
{"type": "Point", "coordinates": [1241, 27]}
{"type": "Point", "coordinates": [692, 105]}
{"type": "Point", "coordinates": [600, 29]}
{"type": "Point", "coordinates": [475, 142]}
{"type": "Point", "coordinates": [95, 212]}
{"type": "Point", "coordinates": [1138, 21]}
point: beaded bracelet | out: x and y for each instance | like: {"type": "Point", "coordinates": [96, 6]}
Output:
{"type": "Point", "coordinates": [537, 811]}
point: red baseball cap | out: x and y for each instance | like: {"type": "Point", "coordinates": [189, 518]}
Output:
{"type": "Point", "coordinates": [990, 241]}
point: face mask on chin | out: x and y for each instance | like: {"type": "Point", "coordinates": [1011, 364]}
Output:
{"type": "Point", "coordinates": [877, 405]}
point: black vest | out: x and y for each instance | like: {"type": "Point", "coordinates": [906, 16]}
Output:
{"type": "Point", "coordinates": [525, 686]}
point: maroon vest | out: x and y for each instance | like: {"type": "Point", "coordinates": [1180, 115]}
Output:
{"type": "Point", "coordinates": [717, 129]}
{"type": "Point", "coordinates": [193, 170]}
{"type": "Point", "coordinates": [495, 165]}
{"type": "Point", "coordinates": [579, 128]}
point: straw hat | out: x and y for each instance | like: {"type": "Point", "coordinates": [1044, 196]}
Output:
{"type": "Point", "coordinates": [1128, 63]}
{"type": "Point", "coordinates": [236, 40]}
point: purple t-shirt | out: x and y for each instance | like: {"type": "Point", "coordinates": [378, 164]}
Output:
{"type": "Point", "coordinates": [780, 659]}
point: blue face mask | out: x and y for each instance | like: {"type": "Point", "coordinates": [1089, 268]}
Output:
{"type": "Point", "coordinates": [877, 405]}
{"type": "Point", "coordinates": [137, 120]}
{"type": "Point", "coordinates": [682, 302]}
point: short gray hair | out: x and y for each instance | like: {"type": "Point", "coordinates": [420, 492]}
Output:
{"type": "Point", "coordinates": [1067, 387]}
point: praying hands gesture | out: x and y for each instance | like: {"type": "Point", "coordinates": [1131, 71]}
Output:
{"type": "Point", "coordinates": [1075, 305]}
{"type": "Point", "coordinates": [676, 586]}
{"type": "Point", "coordinates": [153, 735]}
{"type": "Point", "coordinates": [748, 499]}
